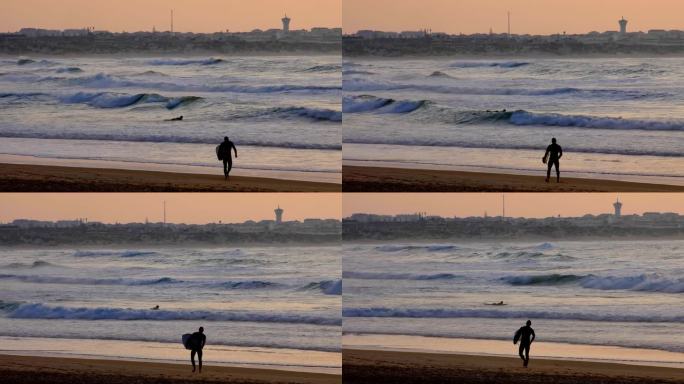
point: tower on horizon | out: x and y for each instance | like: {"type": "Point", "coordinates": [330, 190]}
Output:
{"type": "Point", "coordinates": [286, 24]}
{"type": "Point", "coordinates": [278, 215]}
{"type": "Point", "coordinates": [618, 207]}
{"type": "Point", "coordinates": [623, 25]}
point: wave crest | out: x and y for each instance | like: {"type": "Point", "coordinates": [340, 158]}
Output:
{"type": "Point", "coordinates": [43, 311]}
{"type": "Point", "coordinates": [439, 313]}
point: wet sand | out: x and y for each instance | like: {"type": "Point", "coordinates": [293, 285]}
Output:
{"type": "Point", "coordinates": [40, 178]}
{"type": "Point", "coordinates": [373, 366]}
{"type": "Point", "coordinates": [39, 370]}
{"type": "Point", "coordinates": [385, 179]}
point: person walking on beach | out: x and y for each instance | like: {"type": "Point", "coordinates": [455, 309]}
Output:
{"type": "Point", "coordinates": [196, 343]}
{"type": "Point", "coordinates": [526, 336]}
{"type": "Point", "coordinates": [552, 158]}
{"type": "Point", "coordinates": [223, 153]}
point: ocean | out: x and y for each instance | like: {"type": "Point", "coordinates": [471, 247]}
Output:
{"type": "Point", "coordinates": [618, 119]}
{"type": "Point", "coordinates": [283, 113]}
{"type": "Point", "coordinates": [597, 294]}
{"type": "Point", "coordinates": [260, 306]}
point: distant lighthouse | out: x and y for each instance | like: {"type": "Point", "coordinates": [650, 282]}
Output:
{"type": "Point", "coordinates": [618, 207]}
{"type": "Point", "coordinates": [279, 215]}
{"type": "Point", "coordinates": [286, 24]}
{"type": "Point", "coordinates": [623, 26]}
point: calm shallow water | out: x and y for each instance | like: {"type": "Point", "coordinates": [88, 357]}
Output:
{"type": "Point", "coordinates": [283, 113]}
{"type": "Point", "coordinates": [615, 118]}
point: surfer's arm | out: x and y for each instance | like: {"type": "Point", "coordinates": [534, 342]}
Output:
{"type": "Point", "coordinates": [560, 152]}
{"type": "Point", "coordinates": [235, 150]}
{"type": "Point", "coordinates": [533, 336]}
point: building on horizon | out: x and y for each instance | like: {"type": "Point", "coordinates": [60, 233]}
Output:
{"type": "Point", "coordinates": [278, 215]}
{"type": "Point", "coordinates": [617, 205]}
{"type": "Point", "coordinates": [286, 24]}
{"type": "Point", "coordinates": [623, 26]}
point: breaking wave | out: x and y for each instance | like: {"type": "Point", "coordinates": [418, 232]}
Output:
{"type": "Point", "coordinates": [117, 100]}
{"type": "Point", "coordinates": [429, 248]}
{"type": "Point", "coordinates": [87, 281]}
{"type": "Point", "coordinates": [328, 287]}
{"type": "Point", "coordinates": [437, 113]}
{"type": "Point", "coordinates": [114, 253]}
{"type": "Point", "coordinates": [641, 283]}
{"type": "Point", "coordinates": [481, 64]}
{"type": "Point", "coordinates": [363, 85]}
{"type": "Point", "coordinates": [69, 70]}
{"type": "Point", "coordinates": [558, 120]}
{"type": "Point", "coordinates": [43, 311]}
{"type": "Point", "coordinates": [35, 264]}
{"type": "Point", "coordinates": [311, 113]}
{"type": "Point", "coordinates": [324, 68]}
{"type": "Point", "coordinates": [105, 81]}
{"type": "Point", "coordinates": [366, 103]}
{"type": "Point", "coordinates": [397, 276]}
{"type": "Point", "coordinates": [505, 314]}
{"type": "Point", "coordinates": [210, 61]}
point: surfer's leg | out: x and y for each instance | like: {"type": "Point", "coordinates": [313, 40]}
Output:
{"type": "Point", "coordinates": [199, 358]}
{"type": "Point", "coordinates": [548, 171]}
{"type": "Point", "coordinates": [557, 165]}
{"type": "Point", "coordinates": [527, 354]}
{"type": "Point", "coordinates": [225, 169]}
{"type": "Point", "coordinates": [521, 349]}
{"type": "Point", "coordinates": [192, 358]}
{"type": "Point", "coordinates": [230, 165]}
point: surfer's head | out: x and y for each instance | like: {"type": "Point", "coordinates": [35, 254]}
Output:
{"type": "Point", "coordinates": [201, 329]}
{"type": "Point", "coordinates": [225, 138]}
{"type": "Point", "coordinates": [553, 140]}
{"type": "Point", "coordinates": [529, 322]}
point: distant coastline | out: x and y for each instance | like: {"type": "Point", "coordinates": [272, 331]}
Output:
{"type": "Point", "coordinates": [370, 229]}
{"type": "Point", "coordinates": [30, 233]}
{"type": "Point", "coordinates": [474, 47]}
{"type": "Point", "coordinates": [162, 44]}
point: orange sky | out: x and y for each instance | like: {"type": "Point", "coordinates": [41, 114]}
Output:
{"type": "Point", "coordinates": [517, 204]}
{"type": "Point", "coordinates": [527, 16]}
{"type": "Point", "coordinates": [190, 15]}
{"type": "Point", "coordinates": [180, 207]}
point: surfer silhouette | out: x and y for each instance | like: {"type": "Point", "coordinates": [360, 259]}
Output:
{"type": "Point", "coordinates": [196, 343]}
{"type": "Point", "coordinates": [179, 118]}
{"type": "Point", "coordinates": [223, 153]}
{"type": "Point", "coordinates": [526, 336]}
{"type": "Point", "coordinates": [552, 158]}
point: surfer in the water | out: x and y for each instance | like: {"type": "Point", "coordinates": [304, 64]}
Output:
{"type": "Point", "coordinates": [223, 153]}
{"type": "Point", "coordinates": [196, 342]}
{"type": "Point", "coordinates": [526, 336]}
{"type": "Point", "coordinates": [552, 158]}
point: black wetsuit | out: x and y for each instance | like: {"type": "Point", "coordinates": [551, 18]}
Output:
{"type": "Point", "coordinates": [196, 342]}
{"type": "Point", "coordinates": [226, 156]}
{"type": "Point", "coordinates": [526, 338]}
{"type": "Point", "coordinates": [555, 152]}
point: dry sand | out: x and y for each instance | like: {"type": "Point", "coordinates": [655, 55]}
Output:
{"type": "Point", "coordinates": [40, 178]}
{"type": "Point", "coordinates": [370, 367]}
{"type": "Point", "coordinates": [39, 370]}
{"type": "Point", "coordinates": [377, 179]}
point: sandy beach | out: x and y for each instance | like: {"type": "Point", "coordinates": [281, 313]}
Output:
{"type": "Point", "coordinates": [373, 366]}
{"type": "Point", "coordinates": [40, 178]}
{"type": "Point", "coordinates": [385, 179]}
{"type": "Point", "coordinates": [35, 370]}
